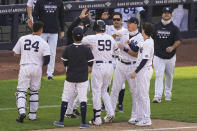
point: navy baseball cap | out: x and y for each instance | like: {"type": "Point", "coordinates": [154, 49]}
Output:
{"type": "Point", "coordinates": [77, 33]}
{"type": "Point", "coordinates": [133, 20]}
{"type": "Point", "coordinates": [167, 10]}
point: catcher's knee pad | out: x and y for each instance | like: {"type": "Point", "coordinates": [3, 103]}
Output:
{"type": "Point", "coordinates": [33, 104]}
{"type": "Point", "coordinates": [21, 101]}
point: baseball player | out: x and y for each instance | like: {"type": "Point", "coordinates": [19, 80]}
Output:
{"type": "Point", "coordinates": [129, 12]}
{"type": "Point", "coordinates": [31, 48]}
{"type": "Point", "coordinates": [115, 31]}
{"type": "Point", "coordinates": [51, 13]}
{"type": "Point", "coordinates": [30, 7]}
{"type": "Point", "coordinates": [126, 64]}
{"type": "Point", "coordinates": [142, 76]}
{"type": "Point", "coordinates": [78, 59]}
{"type": "Point", "coordinates": [102, 46]}
{"type": "Point", "coordinates": [167, 39]}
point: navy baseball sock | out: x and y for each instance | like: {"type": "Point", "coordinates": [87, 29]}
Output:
{"type": "Point", "coordinates": [63, 110]}
{"type": "Point", "coordinates": [83, 112]}
{"type": "Point", "coordinates": [121, 97]}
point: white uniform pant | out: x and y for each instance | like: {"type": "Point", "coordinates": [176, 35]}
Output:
{"type": "Point", "coordinates": [71, 90]}
{"type": "Point", "coordinates": [162, 66]}
{"type": "Point", "coordinates": [29, 78]}
{"type": "Point", "coordinates": [75, 102]}
{"type": "Point", "coordinates": [142, 80]}
{"type": "Point", "coordinates": [51, 39]}
{"type": "Point", "coordinates": [122, 73]}
{"type": "Point", "coordinates": [100, 79]}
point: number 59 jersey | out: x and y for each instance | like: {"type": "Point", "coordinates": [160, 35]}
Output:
{"type": "Point", "coordinates": [32, 49]}
{"type": "Point", "coordinates": [102, 45]}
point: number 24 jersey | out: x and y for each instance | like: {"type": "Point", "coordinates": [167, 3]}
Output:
{"type": "Point", "coordinates": [32, 49]}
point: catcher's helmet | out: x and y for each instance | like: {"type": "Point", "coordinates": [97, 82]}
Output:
{"type": "Point", "coordinates": [99, 26]}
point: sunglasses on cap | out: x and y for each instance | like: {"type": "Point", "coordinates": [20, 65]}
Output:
{"type": "Point", "coordinates": [116, 19]}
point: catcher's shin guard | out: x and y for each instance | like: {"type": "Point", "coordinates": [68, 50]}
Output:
{"type": "Point", "coordinates": [97, 118]}
{"type": "Point", "coordinates": [33, 104]}
{"type": "Point", "coordinates": [21, 101]}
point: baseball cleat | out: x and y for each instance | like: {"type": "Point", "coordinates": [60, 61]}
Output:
{"type": "Point", "coordinates": [21, 117]}
{"type": "Point", "coordinates": [156, 100]}
{"type": "Point", "coordinates": [58, 123]}
{"type": "Point", "coordinates": [76, 112]}
{"type": "Point", "coordinates": [72, 116]}
{"type": "Point", "coordinates": [144, 123]}
{"type": "Point", "coordinates": [84, 126]}
{"type": "Point", "coordinates": [120, 108]}
{"type": "Point", "coordinates": [108, 119]}
{"type": "Point", "coordinates": [133, 121]}
{"type": "Point", "coordinates": [168, 99]}
{"type": "Point", "coordinates": [50, 78]}
{"type": "Point", "coordinates": [96, 122]}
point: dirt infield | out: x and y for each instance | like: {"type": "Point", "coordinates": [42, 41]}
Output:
{"type": "Point", "coordinates": [157, 125]}
{"type": "Point", "coordinates": [186, 56]}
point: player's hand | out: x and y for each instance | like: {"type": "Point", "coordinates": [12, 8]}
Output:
{"type": "Point", "coordinates": [169, 49]}
{"type": "Point", "coordinates": [116, 35]}
{"type": "Point", "coordinates": [133, 75]}
{"type": "Point", "coordinates": [89, 69]}
{"type": "Point", "coordinates": [105, 15]}
{"type": "Point", "coordinates": [121, 46]}
{"type": "Point", "coordinates": [83, 13]}
{"type": "Point", "coordinates": [30, 22]}
{"type": "Point", "coordinates": [61, 35]}
{"type": "Point", "coordinates": [127, 41]}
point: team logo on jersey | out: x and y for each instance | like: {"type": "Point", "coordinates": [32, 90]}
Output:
{"type": "Point", "coordinates": [141, 49]}
{"type": "Point", "coordinates": [134, 42]}
{"type": "Point", "coordinates": [163, 34]}
{"type": "Point", "coordinates": [50, 8]}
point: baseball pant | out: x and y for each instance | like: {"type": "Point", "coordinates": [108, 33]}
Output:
{"type": "Point", "coordinates": [100, 79]}
{"type": "Point", "coordinates": [122, 73]}
{"type": "Point", "coordinates": [51, 39]}
{"type": "Point", "coordinates": [162, 66]}
{"type": "Point", "coordinates": [142, 80]}
{"type": "Point", "coordinates": [72, 89]}
{"type": "Point", "coordinates": [29, 78]}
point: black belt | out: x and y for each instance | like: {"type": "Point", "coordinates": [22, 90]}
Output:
{"type": "Point", "coordinates": [127, 63]}
{"type": "Point", "coordinates": [114, 56]}
{"type": "Point", "coordinates": [100, 61]}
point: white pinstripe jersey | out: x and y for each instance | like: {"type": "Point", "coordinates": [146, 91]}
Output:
{"type": "Point", "coordinates": [137, 40]}
{"type": "Point", "coordinates": [110, 30]}
{"type": "Point", "coordinates": [31, 3]}
{"type": "Point", "coordinates": [103, 46]}
{"type": "Point", "coordinates": [146, 51]}
{"type": "Point", "coordinates": [129, 12]}
{"type": "Point", "coordinates": [32, 49]}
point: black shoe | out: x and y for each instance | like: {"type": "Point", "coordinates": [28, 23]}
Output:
{"type": "Point", "coordinates": [50, 78]}
{"type": "Point", "coordinates": [120, 108]}
{"type": "Point", "coordinates": [21, 117]}
{"type": "Point", "coordinates": [72, 116]}
{"type": "Point", "coordinates": [103, 108]}
{"type": "Point", "coordinates": [76, 112]}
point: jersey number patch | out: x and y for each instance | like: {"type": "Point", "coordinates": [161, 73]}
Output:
{"type": "Point", "coordinates": [28, 45]}
{"type": "Point", "coordinates": [104, 45]}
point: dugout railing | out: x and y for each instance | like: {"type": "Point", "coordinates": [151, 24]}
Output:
{"type": "Point", "coordinates": [11, 28]}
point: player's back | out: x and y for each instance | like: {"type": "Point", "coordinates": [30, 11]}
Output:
{"type": "Point", "coordinates": [32, 48]}
{"type": "Point", "coordinates": [103, 46]}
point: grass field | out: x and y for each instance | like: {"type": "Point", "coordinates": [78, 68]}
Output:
{"type": "Point", "coordinates": [183, 107]}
